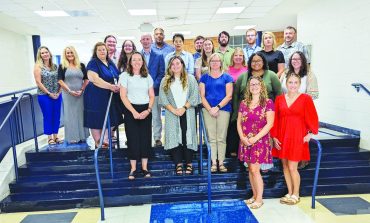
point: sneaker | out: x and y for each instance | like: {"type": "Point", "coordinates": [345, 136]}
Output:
{"type": "Point", "coordinates": [157, 143]}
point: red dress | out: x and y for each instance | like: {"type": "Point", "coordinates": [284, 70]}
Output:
{"type": "Point", "coordinates": [291, 125]}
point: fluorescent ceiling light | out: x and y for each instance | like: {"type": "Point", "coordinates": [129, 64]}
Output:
{"type": "Point", "coordinates": [182, 32]}
{"type": "Point", "coordinates": [58, 13]}
{"type": "Point", "coordinates": [76, 41]}
{"type": "Point", "coordinates": [226, 10]}
{"type": "Point", "coordinates": [126, 37]}
{"type": "Point", "coordinates": [142, 11]}
{"type": "Point", "coordinates": [245, 27]}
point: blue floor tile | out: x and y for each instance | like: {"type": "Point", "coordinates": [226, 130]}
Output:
{"type": "Point", "coordinates": [47, 218]}
{"type": "Point", "coordinates": [222, 211]}
{"type": "Point", "coordinates": [346, 205]}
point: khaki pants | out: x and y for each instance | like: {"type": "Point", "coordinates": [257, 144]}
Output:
{"type": "Point", "coordinates": [217, 132]}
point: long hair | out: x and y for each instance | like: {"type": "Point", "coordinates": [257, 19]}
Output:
{"type": "Point", "coordinates": [39, 60]}
{"type": "Point", "coordinates": [263, 95]}
{"type": "Point", "coordinates": [96, 48]}
{"type": "Point", "coordinates": [221, 63]}
{"type": "Point", "coordinates": [265, 65]}
{"type": "Point", "coordinates": [273, 39]}
{"type": "Point", "coordinates": [304, 67]}
{"type": "Point", "coordinates": [237, 50]}
{"type": "Point", "coordinates": [123, 58]}
{"type": "Point", "coordinates": [170, 76]}
{"type": "Point", "coordinates": [204, 55]}
{"type": "Point", "coordinates": [76, 61]}
{"type": "Point", "coordinates": [143, 70]}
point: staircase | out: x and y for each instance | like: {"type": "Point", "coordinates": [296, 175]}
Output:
{"type": "Point", "coordinates": [64, 178]}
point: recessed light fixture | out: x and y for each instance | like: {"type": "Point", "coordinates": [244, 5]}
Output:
{"type": "Point", "coordinates": [182, 32]}
{"type": "Point", "coordinates": [142, 11]}
{"type": "Point", "coordinates": [126, 37]}
{"type": "Point", "coordinates": [228, 10]}
{"type": "Point", "coordinates": [245, 27]}
{"type": "Point", "coordinates": [45, 13]}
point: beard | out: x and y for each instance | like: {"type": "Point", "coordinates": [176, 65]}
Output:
{"type": "Point", "coordinates": [223, 44]}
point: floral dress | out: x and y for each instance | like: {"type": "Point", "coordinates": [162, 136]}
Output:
{"type": "Point", "coordinates": [252, 122]}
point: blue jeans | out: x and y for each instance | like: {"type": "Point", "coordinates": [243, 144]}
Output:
{"type": "Point", "coordinates": [51, 109]}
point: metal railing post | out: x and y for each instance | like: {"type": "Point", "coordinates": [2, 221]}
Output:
{"type": "Point", "coordinates": [319, 153]}
{"type": "Point", "coordinates": [200, 143]}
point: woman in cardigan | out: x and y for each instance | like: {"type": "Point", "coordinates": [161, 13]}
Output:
{"type": "Point", "coordinates": [179, 95]}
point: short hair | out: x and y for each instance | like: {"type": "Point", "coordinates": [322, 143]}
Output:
{"type": "Point", "coordinates": [76, 61]}
{"type": "Point", "coordinates": [273, 39]}
{"type": "Point", "coordinates": [221, 62]}
{"type": "Point", "coordinates": [143, 70]}
{"type": "Point", "coordinates": [292, 28]}
{"type": "Point", "coordinates": [179, 35]}
{"type": "Point", "coordinates": [199, 38]}
{"type": "Point", "coordinates": [159, 28]}
{"type": "Point", "coordinates": [225, 33]}
{"type": "Point", "coordinates": [105, 39]}
{"type": "Point", "coordinates": [265, 65]}
{"type": "Point", "coordinates": [96, 47]}
{"type": "Point", "coordinates": [251, 29]}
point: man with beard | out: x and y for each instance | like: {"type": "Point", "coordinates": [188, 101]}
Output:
{"type": "Point", "coordinates": [251, 47]}
{"type": "Point", "coordinates": [198, 44]}
{"type": "Point", "coordinates": [159, 46]}
{"type": "Point", "coordinates": [291, 45]}
{"type": "Point", "coordinates": [224, 50]}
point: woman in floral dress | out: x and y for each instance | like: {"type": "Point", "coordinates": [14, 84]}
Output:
{"type": "Point", "coordinates": [255, 119]}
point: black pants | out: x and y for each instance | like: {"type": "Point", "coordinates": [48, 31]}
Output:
{"type": "Point", "coordinates": [232, 138]}
{"type": "Point", "coordinates": [181, 152]}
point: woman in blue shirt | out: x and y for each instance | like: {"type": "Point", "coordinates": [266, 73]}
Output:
{"type": "Point", "coordinates": [216, 88]}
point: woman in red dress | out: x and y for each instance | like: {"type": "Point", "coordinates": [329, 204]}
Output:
{"type": "Point", "coordinates": [295, 121]}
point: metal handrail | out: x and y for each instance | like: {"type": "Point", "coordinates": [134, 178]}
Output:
{"type": "Point", "coordinates": [17, 92]}
{"type": "Point", "coordinates": [319, 152]}
{"type": "Point", "coordinates": [203, 129]}
{"type": "Point", "coordinates": [96, 152]}
{"type": "Point", "coordinates": [358, 86]}
{"type": "Point", "coordinates": [8, 116]}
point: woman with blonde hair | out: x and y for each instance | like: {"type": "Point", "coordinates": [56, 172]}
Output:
{"type": "Point", "coordinates": [275, 58]}
{"type": "Point", "coordinates": [48, 90]}
{"type": "Point", "coordinates": [255, 119]}
{"type": "Point", "coordinates": [72, 77]}
{"type": "Point", "coordinates": [179, 95]}
{"type": "Point", "coordinates": [216, 88]}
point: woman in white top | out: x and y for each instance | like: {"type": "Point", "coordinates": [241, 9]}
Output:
{"type": "Point", "coordinates": [137, 95]}
{"type": "Point", "coordinates": [179, 95]}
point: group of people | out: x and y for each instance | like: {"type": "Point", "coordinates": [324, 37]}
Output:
{"type": "Point", "coordinates": [257, 101]}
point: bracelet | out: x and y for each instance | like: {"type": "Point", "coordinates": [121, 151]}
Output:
{"type": "Point", "coordinates": [218, 106]}
{"type": "Point", "coordinates": [185, 107]}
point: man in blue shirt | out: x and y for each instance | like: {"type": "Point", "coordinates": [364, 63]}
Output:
{"type": "Point", "coordinates": [155, 64]}
{"type": "Point", "coordinates": [159, 46]}
{"type": "Point", "coordinates": [178, 40]}
{"type": "Point", "coordinates": [250, 37]}
{"type": "Point", "coordinates": [198, 44]}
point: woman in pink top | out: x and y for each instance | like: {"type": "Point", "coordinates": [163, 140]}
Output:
{"type": "Point", "coordinates": [238, 65]}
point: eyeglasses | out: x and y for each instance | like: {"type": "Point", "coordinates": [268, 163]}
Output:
{"type": "Point", "coordinates": [254, 85]}
{"type": "Point", "coordinates": [251, 35]}
{"type": "Point", "coordinates": [257, 61]}
{"type": "Point", "coordinates": [296, 59]}
{"type": "Point", "coordinates": [215, 61]}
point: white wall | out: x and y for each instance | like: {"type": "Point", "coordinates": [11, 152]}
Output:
{"type": "Point", "coordinates": [16, 61]}
{"type": "Point", "coordinates": [339, 32]}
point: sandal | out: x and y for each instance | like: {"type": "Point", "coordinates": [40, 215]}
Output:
{"type": "Point", "coordinates": [189, 169]}
{"type": "Point", "coordinates": [178, 170]}
{"type": "Point", "coordinates": [58, 141]}
{"type": "Point", "coordinates": [293, 200]}
{"type": "Point", "coordinates": [285, 199]}
{"type": "Point", "coordinates": [222, 168]}
{"type": "Point", "coordinates": [250, 200]}
{"type": "Point", "coordinates": [256, 205]}
{"type": "Point", "coordinates": [51, 142]}
{"type": "Point", "coordinates": [114, 139]}
{"type": "Point", "coordinates": [213, 168]}
{"type": "Point", "coordinates": [146, 173]}
{"type": "Point", "coordinates": [132, 175]}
